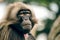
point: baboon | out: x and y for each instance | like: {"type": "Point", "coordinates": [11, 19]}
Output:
{"type": "Point", "coordinates": [55, 30]}
{"type": "Point", "coordinates": [18, 21]}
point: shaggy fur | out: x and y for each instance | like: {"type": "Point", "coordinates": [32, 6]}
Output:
{"type": "Point", "coordinates": [55, 30]}
{"type": "Point", "coordinates": [7, 33]}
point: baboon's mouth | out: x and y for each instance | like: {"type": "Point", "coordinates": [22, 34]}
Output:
{"type": "Point", "coordinates": [26, 24]}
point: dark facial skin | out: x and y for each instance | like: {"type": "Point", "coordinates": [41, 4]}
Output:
{"type": "Point", "coordinates": [26, 23]}
{"type": "Point", "coordinates": [24, 20]}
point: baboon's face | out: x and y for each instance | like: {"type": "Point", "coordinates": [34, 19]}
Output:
{"type": "Point", "coordinates": [24, 17]}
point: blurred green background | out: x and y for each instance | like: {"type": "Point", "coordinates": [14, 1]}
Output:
{"type": "Point", "coordinates": [53, 6]}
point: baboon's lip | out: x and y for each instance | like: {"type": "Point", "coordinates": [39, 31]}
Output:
{"type": "Point", "coordinates": [26, 24]}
